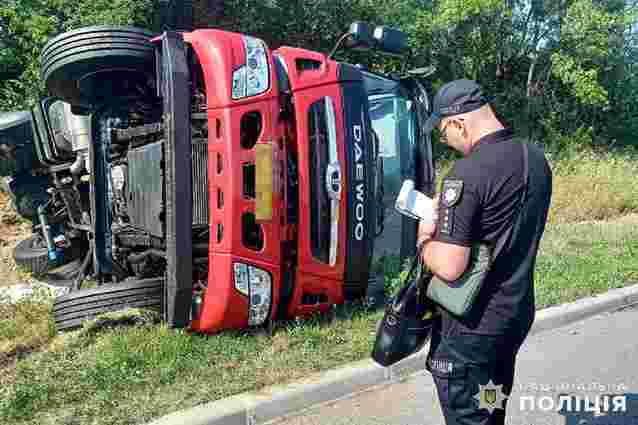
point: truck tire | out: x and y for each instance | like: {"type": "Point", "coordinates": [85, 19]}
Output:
{"type": "Point", "coordinates": [82, 66]}
{"type": "Point", "coordinates": [64, 273]}
{"type": "Point", "coordinates": [74, 309]}
{"type": "Point", "coordinates": [32, 254]}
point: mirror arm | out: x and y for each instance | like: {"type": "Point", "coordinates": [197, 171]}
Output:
{"type": "Point", "coordinates": [342, 39]}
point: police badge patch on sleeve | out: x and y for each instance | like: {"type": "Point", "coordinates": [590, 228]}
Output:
{"type": "Point", "coordinates": [452, 190]}
{"type": "Point", "coordinates": [450, 196]}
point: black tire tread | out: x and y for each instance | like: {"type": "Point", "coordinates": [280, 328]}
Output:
{"type": "Point", "coordinates": [72, 310]}
{"type": "Point", "coordinates": [76, 44]}
{"type": "Point", "coordinates": [70, 57]}
{"type": "Point", "coordinates": [80, 305]}
{"type": "Point", "coordinates": [108, 290]}
{"type": "Point", "coordinates": [80, 33]}
{"type": "Point", "coordinates": [79, 321]}
{"type": "Point", "coordinates": [105, 48]}
{"type": "Point", "coordinates": [143, 301]}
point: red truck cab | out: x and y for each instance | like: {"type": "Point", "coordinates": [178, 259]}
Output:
{"type": "Point", "coordinates": [290, 181]}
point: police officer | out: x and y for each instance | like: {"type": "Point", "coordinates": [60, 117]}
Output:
{"type": "Point", "coordinates": [472, 358]}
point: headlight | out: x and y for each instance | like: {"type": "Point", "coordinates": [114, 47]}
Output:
{"type": "Point", "coordinates": [253, 78]}
{"type": "Point", "coordinates": [241, 278]}
{"type": "Point", "coordinates": [256, 284]}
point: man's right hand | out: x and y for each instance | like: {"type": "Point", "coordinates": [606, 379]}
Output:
{"type": "Point", "coordinates": [428, 228]}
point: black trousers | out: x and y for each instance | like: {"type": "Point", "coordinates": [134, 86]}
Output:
{"type": "Point", "coordinates": [473, 373]}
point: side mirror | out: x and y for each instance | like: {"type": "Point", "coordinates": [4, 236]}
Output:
{"type": "Point", "coordinates": [360, 36]}
{"type": "Point", "coordinates": [384, 39]}
{"type": "Point", "coordinates": [390, 41]}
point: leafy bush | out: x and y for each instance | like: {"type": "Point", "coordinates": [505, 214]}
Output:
{"type": "Point", "coordinates": [565, 145]}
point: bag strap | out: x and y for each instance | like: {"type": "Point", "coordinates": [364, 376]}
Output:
{"type": "Point", "coordinates": [416, 264]}
{"type": "Point", "coordinates": [506, 236]}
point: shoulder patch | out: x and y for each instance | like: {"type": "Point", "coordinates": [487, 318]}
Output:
{"type": "Point", "coordinates": [451, 192]}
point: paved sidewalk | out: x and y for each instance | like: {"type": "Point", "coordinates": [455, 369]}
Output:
{"type": "Point", "coordinates": [601, 350]}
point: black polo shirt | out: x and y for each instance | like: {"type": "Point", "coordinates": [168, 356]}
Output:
{"type": "Point", "coordinates": [477, 204]}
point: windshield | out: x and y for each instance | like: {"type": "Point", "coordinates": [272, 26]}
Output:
{"type": "Point", "coordinates": [394, 120]}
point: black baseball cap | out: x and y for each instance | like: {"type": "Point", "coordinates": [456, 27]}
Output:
{"type": "Point", "coordinates": [454, 98]}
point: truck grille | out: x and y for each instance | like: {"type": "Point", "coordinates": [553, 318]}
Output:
{"type": "Point", "coordinates": [200, 182]}
{"type": "Point", "coordinates": [320, 235]}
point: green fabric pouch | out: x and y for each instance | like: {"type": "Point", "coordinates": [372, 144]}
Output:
{"type": "Point", "coordinates": [457, 297]}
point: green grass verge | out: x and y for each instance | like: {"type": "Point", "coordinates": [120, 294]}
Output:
{"type": "Point", "coordinates": [134, 374]}
{"type": "Point", "coordinates": [587, 185]}
{"type": "Point", "coordinates": [582, 259]}
{"type": "Point", "coordinates": [24, 326]}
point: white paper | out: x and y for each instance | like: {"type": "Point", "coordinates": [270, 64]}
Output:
{"type": "Point", "coordinates": [414, 204]}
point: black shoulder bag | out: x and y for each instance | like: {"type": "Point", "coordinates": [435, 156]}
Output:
{"type": "Point", "coordinates": [407, 323]}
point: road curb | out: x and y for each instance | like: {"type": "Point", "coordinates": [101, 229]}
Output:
{"type": "Point", "coordinates": [564, 314]}
{"type": "Point", "coordinates": [273, 402]}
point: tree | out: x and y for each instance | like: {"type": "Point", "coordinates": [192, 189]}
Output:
{"type": "Point", "coordinates": [556, 67]}
{"type": "Point", "coordinates": [26, 26]}
{"type": "Point", "coordinates": [543, 60]}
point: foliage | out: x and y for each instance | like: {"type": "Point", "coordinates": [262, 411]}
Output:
{"type": "Point", "coordinates": [585, 86]}
{"type": "Point", "coordinates": [568, 62]}
{"type": "Point", "coordinates": [26, 26]}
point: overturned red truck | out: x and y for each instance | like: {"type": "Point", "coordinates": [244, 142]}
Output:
{"type": "Point", "coordinates": [229, 184]}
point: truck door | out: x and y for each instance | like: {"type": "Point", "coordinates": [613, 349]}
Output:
{"type": "Point", "coordinates": [397, 112]}
{"type": "Point", "coordinates": [336, 180]}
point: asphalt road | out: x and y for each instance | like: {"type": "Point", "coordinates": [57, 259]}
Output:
{"type": "Point", "coordinates": [592, 358]}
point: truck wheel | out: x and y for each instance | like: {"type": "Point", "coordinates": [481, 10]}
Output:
{"type": "Point", "coordinates": [60, 276]}
{"type": "Point", "coordinates": [32, 254]}
{"type": "Point", "coordinates": [83, 66]}
{"type": "Point", "coordinates": [72, 310]}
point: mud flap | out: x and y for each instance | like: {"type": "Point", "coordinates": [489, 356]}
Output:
{"type": "Point", "coordinates": [178, 193]}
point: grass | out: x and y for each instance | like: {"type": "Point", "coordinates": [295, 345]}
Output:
{"type": "Point", "coordinates": [587, 185]}
{"type": "Point", "coordinates": [134, 373]}
{"type": "Point", "coordinates": [594, 186]}
{"type": "Point", "coordinates": [582, 259]}
{"type": "Point", "coordinates": [24, 327]}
